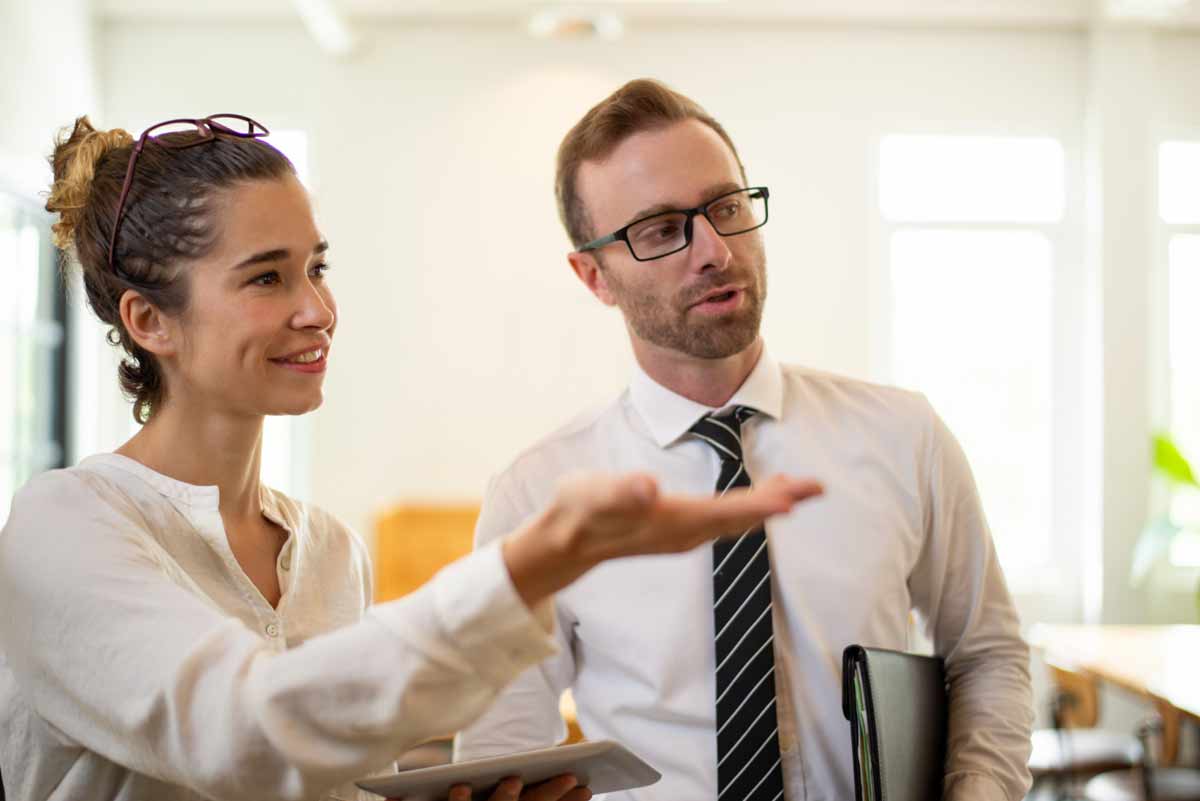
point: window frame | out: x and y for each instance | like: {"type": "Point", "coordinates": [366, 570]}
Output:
{"type": "Point", "coordinates": [1180, 578]}
{"type": "Point", "coordinates": [1060, 581]}
{"type": "Point", "coordinates": [54, 408]}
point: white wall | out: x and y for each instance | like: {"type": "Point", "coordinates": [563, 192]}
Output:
{"type": "Point", "coordinates": [464, 335]}
{"type": "Point", "coordinates": [46, 74]}
{"type": "Point", "coordinates": [48, 77]}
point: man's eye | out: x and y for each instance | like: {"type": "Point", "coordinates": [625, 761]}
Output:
{"type": "Point", "coordinates": [657, 233]}
{"type": "Point", "coordinates": [729, 209]}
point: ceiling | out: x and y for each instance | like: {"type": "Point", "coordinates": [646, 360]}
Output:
{"type": "Point", "coordinates": [976, 13]}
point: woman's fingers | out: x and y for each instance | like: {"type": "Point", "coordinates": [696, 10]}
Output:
{"type": "Point", "coordinates": [507, 790]}
{"type": "Point", "coordinates": [578, 794]}
{"type": "Point", "coordinates": [628, 514]}
{"type": "Point", "coordinates": [556, 789]}
{"type": "Point", "coordinates": [774, 496]}
{"type": "Point", "coordinates": [737, 510]}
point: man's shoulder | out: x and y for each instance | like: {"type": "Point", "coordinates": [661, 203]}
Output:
{"type": "Point", "coordinates": [808, 384]}
{"type": "Point", "coordinates": [574, 440]}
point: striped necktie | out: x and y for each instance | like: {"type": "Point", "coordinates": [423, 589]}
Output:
{"type": "Point", "coordinates": [748, 761]}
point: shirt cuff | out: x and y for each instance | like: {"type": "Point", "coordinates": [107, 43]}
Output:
{"type": "Point", "coordinates": [480, 611]}
{"type": "Point", "coordinates": [974, 787]}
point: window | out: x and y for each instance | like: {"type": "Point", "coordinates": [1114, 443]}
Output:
{"type": "Point", "coordinates": [284, 452]}
{"type": "Point", "coordinates": [32, 350]}
{"type": "Point", "coordinates": [1179, 207]}
{"type": "Point", "coordinates": [971, 223]}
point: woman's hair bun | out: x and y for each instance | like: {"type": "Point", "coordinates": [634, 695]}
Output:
{"type": "Point", "coordinates": [74, 162]}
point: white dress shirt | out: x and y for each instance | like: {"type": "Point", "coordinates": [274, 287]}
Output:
{"type": "Point", "coordinates": [138, 662]}
{"type": "Point", "coordinates": [900, 527]}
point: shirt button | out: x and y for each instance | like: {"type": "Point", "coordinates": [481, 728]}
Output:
{"type": "Point", "coordinates": [286, 564]}
{"type": "Point", "coordinates": [272, 630]}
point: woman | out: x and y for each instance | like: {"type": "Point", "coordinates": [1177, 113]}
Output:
{"type": "Point", "coordinates": [174, 630]}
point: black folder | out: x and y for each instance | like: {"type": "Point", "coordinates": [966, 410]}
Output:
{"type": "Point", "coordinates": [896, 704]}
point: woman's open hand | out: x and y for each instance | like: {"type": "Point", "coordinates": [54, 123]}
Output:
{"type": "Point", "coordinates": [600, 517]}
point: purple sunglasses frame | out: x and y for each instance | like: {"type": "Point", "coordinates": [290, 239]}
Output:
{"type": "Point", "coordinates": [208, 128]}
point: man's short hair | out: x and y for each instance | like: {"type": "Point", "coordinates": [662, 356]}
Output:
{"type": "Point", "coordinates": [640, 105]}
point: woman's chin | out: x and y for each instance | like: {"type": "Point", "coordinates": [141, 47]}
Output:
{"type": "Point", "coordinates": [283, 407]}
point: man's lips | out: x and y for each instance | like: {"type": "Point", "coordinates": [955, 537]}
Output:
{"type": "Point", "coordinates": [725, 296]}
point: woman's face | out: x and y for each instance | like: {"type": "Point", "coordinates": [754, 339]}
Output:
{"type": "Point", "coordinates": [255, 337]}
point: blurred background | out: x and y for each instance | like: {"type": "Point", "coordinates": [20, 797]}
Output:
{"type": "Point", "coordinates": [996, 202]}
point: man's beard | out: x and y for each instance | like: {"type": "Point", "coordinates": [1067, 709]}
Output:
{"type": "Point", "coordinates": [702, 337]}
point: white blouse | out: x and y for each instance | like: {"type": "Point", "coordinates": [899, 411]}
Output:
{"type": "Point", "coordinates": [139, 662]}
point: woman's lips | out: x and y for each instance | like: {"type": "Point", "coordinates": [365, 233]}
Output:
{"type": "Point", "coordinates": [311, 361]}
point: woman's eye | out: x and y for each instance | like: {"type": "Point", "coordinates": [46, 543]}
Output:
{"type": "Point", "coordinates": [319, 270]}
{"type": "Point", "coordinates": [266, 279]}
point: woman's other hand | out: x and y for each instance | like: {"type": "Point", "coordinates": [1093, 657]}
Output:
{"type": "Point", "coordinates": [560, 788]}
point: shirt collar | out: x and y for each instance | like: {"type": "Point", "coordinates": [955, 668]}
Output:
{"type": "Point", "coordinates": [190, 495]}
{"type": "Point", "coordinates": [669, 415]}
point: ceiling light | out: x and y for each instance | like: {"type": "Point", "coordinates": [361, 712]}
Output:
{"type": "Point", "coordinates": [567, 23]}
{"type": "Point", "coordinates": [327, 26]}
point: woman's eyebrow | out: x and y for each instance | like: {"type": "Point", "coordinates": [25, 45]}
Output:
{"type": "Point", "coordinates": [278, 254]}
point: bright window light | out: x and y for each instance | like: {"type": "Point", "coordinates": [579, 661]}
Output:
{"type": "Point", "coordinates": [971, 179]}
{"type": "Point", "coordinates": [283, 467]}
{"type": "Point", "coordinates": [972, 329]}
{"type": "Point", "coordinates": [1184, 367]}
{"type": "Point", "coordinates": [294, 145]}
{"type": "Point", "coordinates": [1185, 549]}
{"type": "Point", "coordinates": [1179, 182]}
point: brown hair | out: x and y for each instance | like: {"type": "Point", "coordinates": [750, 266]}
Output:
{"type": "Point", "coordinates": [168, 220]}
{"type": "Point", "coordinates": [640, 105]}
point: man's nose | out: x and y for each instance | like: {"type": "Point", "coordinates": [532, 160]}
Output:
{"type": "Point", "coordinates": [709, 249]}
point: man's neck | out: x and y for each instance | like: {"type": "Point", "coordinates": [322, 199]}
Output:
{"type": "Point", "coordinates": [711, 382]}
{"type": "Point", "coordinates": [204, 449]}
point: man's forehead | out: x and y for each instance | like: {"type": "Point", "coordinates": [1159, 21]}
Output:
{"type": "Point", "coordinates": [682, 164]}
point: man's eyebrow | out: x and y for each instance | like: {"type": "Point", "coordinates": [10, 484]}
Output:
{"type": "Point", "coordinates": [278, 254]}
{"type": "Point", "coordinates": [711, 193]}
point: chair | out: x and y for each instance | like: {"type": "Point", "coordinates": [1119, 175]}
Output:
{"type": "Point", "coordinates": [413, 541]}
{"type": "Point", "coordinates": [1074, 749]}
{"type": "Point", "coordinates": [1148, 781]}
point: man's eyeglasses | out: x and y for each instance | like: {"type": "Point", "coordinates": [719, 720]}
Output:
{"type": "Point", "coordinates": [208, 128]}
{"type": "Point", "coordinates": [671, 231]}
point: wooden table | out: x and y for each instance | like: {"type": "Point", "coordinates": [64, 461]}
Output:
{"type": "Point", "coordinates": [1158, 663]}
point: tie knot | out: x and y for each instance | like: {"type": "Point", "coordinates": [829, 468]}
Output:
{"type": "Point", "coordinates": [724, 431]}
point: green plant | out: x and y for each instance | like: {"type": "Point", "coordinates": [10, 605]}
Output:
{"type": "Point", "coordinates": [1169, 465]}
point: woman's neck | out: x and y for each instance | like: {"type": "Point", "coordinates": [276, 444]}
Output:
{"type": "Point", "coordinates": [205, 449]}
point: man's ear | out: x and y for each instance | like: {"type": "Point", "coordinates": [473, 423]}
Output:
{"type": "Point", "coordinates": [148, 326]}
{"type": "Point", "coordinates": [587, 268]}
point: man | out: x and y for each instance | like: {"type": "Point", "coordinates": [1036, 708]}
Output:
{"type": "Point", "coordinates": [722, 666]}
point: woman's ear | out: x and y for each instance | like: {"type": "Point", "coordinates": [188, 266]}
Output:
{"type": "Point", "coordinates": [152, 330]}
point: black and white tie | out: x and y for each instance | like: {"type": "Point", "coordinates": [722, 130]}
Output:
{"type": "Point", "coordinates": [748, 761]}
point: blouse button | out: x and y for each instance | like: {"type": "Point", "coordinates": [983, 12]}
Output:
{"type": "Point", "coordinates": [272, 630]}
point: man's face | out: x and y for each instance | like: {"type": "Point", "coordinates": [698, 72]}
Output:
{"type": "Point", "coordinates": [705, 301]}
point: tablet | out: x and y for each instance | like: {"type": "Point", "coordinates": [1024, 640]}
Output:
{"type": "Point", "coordinates": [604, 766]}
